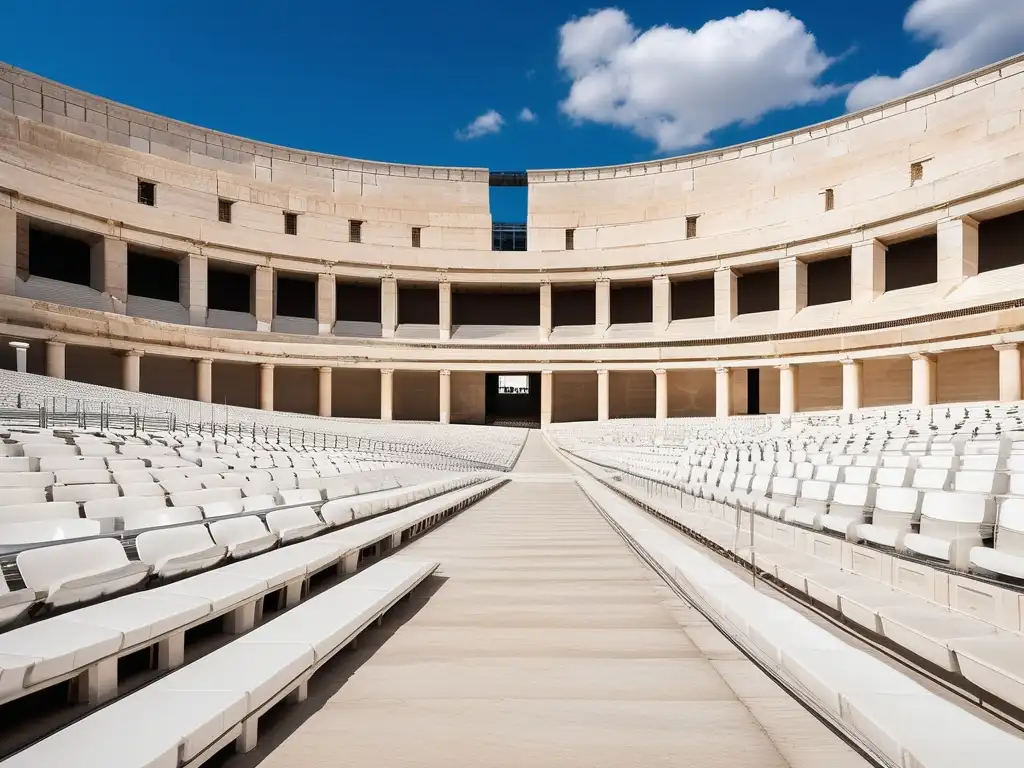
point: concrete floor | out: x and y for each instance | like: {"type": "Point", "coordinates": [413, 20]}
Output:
{"type": "Point", "coordinates": [542, 640]}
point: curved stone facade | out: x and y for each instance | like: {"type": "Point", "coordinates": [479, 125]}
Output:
{"type": "Point", "coordinates": [872, 260]}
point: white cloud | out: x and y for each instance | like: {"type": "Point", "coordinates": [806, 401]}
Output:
{"type": "Point", "coordinates": [965, 34]}
{"type": "Point", "coordinates": [675, 86]}
{"type": "Point", "coordinates": [490, 121]}
{"type": "Point", "coordinates": [527, 115]}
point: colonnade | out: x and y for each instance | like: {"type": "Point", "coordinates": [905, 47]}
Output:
{"type": "Point", "coordinates": [923, 383]}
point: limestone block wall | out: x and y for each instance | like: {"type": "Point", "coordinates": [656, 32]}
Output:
{"type": "Point", "coordinates": [235, 384]}
{"type": "Point", "coordinates": [768, 389]}
{"type": "Point", "coordinates": [295, 389]}
{"type": "Point", "coordinates": [355, 393]}
{"type": "Point", "coordinates": [93, 365]}
{"type": "Point", "coordinates": [575, 396]}
{"type": "Point", "coordinates": [469, 397]}
{"type": "Point", "coordinates": [169, 376]}
{"type": "Point", "coordinates": [967, 375]}
{"type": "Point", "coordinates": [416, 396]}
{"type": "Point", "coordinates": [691, 393]}
{"type": "Point", "coordinates": [819, 387]}
{"type": "Point", "coordinates": [631, 394]}
{"type": "Point", "coordinates": [887, 381]}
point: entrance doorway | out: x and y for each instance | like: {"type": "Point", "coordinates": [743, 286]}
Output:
{"type": "Point", "coordinates": [513, 399]}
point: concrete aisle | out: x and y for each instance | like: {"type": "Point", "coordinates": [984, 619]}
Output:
{"type": "Point", "coordinates": [543, 642]}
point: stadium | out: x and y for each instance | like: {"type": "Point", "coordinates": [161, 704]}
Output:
{"type": "Point", "coordinates": [307, 458]}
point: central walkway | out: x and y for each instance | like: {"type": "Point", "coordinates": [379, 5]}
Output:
{"type": "Point", "coordinates": [542, 641]}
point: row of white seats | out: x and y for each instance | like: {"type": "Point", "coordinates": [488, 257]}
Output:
{"type": "Point", "coordinates": [902, 721]}
{"type": "Point", "coordinates": [88, 641]}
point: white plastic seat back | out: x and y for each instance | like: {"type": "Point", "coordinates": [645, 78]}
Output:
{"type": "Point", "coordinates": [829, 473]}
{"type": "Point", "coordinates": [804, 470]}
{"type": "Point", "coordinates": [857, 475]}
{"type": "Point", "coordinates": [206, 496]}
{"type": "Point", "coordinates": [155, 518]}
{"type": "Point", "coordinates": [25, 480]}
{"type": "Point", "coordinates": [258, 503]}
{"type": "Point", "coordinates": [300, 496]}
{"type": "Point", "coordinates": [47, 568]}
{"type": "Point", "coordinates": [1010, 528]}
{"type": "Point", "coordinates": [848, 498]}
{"type": "Point", "coordinates": [47, 530]}
{"type": "Point", "coordinates": [237, 532]}
{"type": "Point", "coordinates": [82, 476]}
{"type": "Point", "coordinates": [932, 479]}
{"type": "Point", "coordinates": [118, 507]}
{"type": "Point", "coordinates": [49, 510]}
{"type": "Point", "coordinates": [157, 547]}
{"type": "Point", "coordinates": [980, 481]}
{"type": "Point", "coordinates": [948, 516]}
{"type": "Point", "coordinates": [286, 523]}
{"type": "Point", "coordinates": [11, 496]}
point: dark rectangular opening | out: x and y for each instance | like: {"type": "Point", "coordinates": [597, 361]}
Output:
{"type": "Point", "coordinates": [693, 298]}
{"type": "Point", "coordinates": [691, 227]}
{"type": "Point", "coordinates": [912, 262]}
{"type": "Point", "coordinates": [753, 391]}
{"type": "Point", "coordinates": [491, 307]}
{"type": "Point", "coordinates": [416, 235]}
{"type": "Point", "coordinates": [507, 236]}
{"type": "Point", "coordinates": [355, 231]}
{"type": "Point", "coordinates": [418, 305]}
{"type": "Point", "coordinates": [229, 289]}
{"type": "Point", "coordinates": [152, 276]}
{"type": "Point", "coordinates": [291, 223]}
{"type": "Point", "coordinates": [224, 210]}
{"type": "Point", "coordinates": [147, 192]}
{"type": "Point", "coordinates": [570, 239]}
{"type": "Point", "coordinates": [296, 296]}
{"type": "Point", "coordinates": [1001, 242]}
{"type": "Point", "coordinates": [828, 281]}
{"type": "Point", "coordinates": [631, 304]}
{"type": "Point", "coordinates": [830, 199]}
{"type": "Point", "coordinates": [757, 291]}
{"type": "Point", "coordinates": [358, 302]}
{"type": "Point", "coordinates": [59, 257]}
{"type": "Point", "coordinates": [512, 399]}
{"type": "Point", "coordinates": [573, 305]}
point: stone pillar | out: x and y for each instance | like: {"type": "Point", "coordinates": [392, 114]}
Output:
{"type": "Point", "coordinates": [661, 301]}
{"type": "Point", "coordinates": [923, 386]}
{"type": "Point", "coordinates": [263, 298]}
{"type": "Point", "coordinates": [602, 304]}
{"type": "Point", "coordinates": [602, 396]}
{"type": "Point", "coordinates": [444, 309]}
{"type": "Point", "coordinates": [723, 393]}
{"type": "Point", "coordinates": [388, 306]}
{"type": "Point", "coordinates": [108, 271]}
{"type": "Point", "coordinates": [444, 390]}
{"type": "Point", "coordinates": [193, 288]}
{"type": "Point", "coordinates": [325, 380]}
{"type": "Point", "coordinates": [792, 286]}
{"type": "Point", "coordinates": [56, 365]}
{"type": "Point", "coordinates": [853, 385]}
{"type": "Point", "coordinates": [546, 397]}
{"type": "Point", "coordinates": [660, 394]}
{"type": "Point", "coordinates": [867, 271]}
{"type": "Point", "coordinates": [1009, 372]}
{"type": "Point", "coordinates": [266, 386]}
{"type": "Point", "coordinates": [545, 311]}
{"type": "Point", "coordinates": [204, 380]}
{"type": "Point", "coordinates": [20, 355]}
{"type": "Point", "coordinates": [387, 381]}
{"type": "Point", "coordinates": [957, 250]}
{"type": "Point", "coordinates": [131, 370]}
{"type": "Point", "coordinates": [726, 298]}
{"type": "Point", "coordinates": [787, 390]}
{"type": "Point", "coordinates": [326, 291]}
{"type": "Point", "coordinates": [8, 251]}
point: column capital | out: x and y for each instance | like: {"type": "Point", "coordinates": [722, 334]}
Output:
{"type": "Point", "coordinates": [387, 371]}
{"type": "Point", "coordinates": [661, 277]}
{"type": "Point", "coordinates": [132, 353]}
{"type": "Point", "coordinates": [55, 344]}
{"type": "Point", "coordinates": [204, 360]}
{"type": "Point", "coordinates": [602, 372]}
{"type": "Point", "coordinates": [18, 344]}
{"type": "Point", "coordinates": [721, 369]}
{"type": "Point", "coordinates": [602, 280]}
{"type": "Point", "coordinates": [267, 366]}
{"type": "Point", "coordinates": [1005, 346]}
{"type": "Point", "coordinates": [445, 372]}
{"type": "Point", "coordinates": [849, 361]}
{"type": "Point", "coordinates": [660, 371]}
{"type": "Point", "coordinates": [785, 366]}
{"type": "Point", "coordinates": [922, 355]}
{"type": "Point", "coordinates": [325, 369]}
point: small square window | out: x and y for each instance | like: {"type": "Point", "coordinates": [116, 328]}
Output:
{"type": "Point", "coordinates": [416, 237]}
{"type": "Point", "coordinates": [355, 231]}
{"type": "Point", "coordinates": [291, 223]}
{"type": "Point", "coordinates": [830, 199]}
{"type": "Point", "coordinates": [570, 239]}
{"type": "Point", "coordinates": [916, 172]}
{"type": "Point", "coordinates": [224, 210]}
{"type": "Point", "coordinates": [147, 192]}
{"type": "Point", "coordinates": [691, 227]}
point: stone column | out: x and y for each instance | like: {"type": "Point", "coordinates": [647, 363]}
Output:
{"type": "Point", "coordinates": [20, 355]}
{"type": "Point", "coordinates": [204, 380]}
{"type": "Point", "coordinates": [266, 386]}
{"type": "Point", "coordinates": [792, 286]}
{"type": "Point", "coordinates": [602, 396]}
{"type": "Point", "coordinates": [546, 397]}
{"type": "Point", "coordinates": [853, 385]}
{"type": "Point", "coordinates": [325, 380]}
{"type": "Point", "coordinates": [444, 309]}
{"type": "Point", "coordinates": [1009, 372]}
{"type": "Point", "coordinates": [661, 301]}
{"type": "Point", "coordinates": [131, 370]}
{"type": "Point", "coordinates": [56, 359]}
{"type": "Point", "coordinates": [444, 390]}
{"type": "Point", "coordinates": [193, 287]}
{"type": "Point", "coordinates": [787, 390]}
{"type": "Point", "coordinates": [957, 250]}
{"type": "Point", "coordinates": [602, 304]}
{"type": "Point", "coordinates": [923, 382]}
{"type": "Point", "coordinates": [545, 311]}
{"type": "Point", "coordinates": [387, 381]}
{"type": "Point", "coordinates": [8, 251]}
{"type": "Point", "coordinates": [726, 298]}
{"type": "Point", "coordinates": [263, 298]}
{"type": "Point", "coordinates": [326, 291]}
{"type": "Point", "coordinates": [108, 271]}
{"type": "Point", "coordinates": [723, 393]}
{"type": "Point", "coordinates": [388, 306]}
{"type": "Point", "coordinates": [867, 271]}
{"type": "Point", "coordinates": [660, 394]}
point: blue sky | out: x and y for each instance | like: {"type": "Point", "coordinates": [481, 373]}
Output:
{"type": "Point", "coordinates": [404, 81]}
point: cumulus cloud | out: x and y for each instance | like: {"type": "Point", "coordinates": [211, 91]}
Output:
{"type": "Point", "coordinates": [965, 35]}
{"type": "Point", "coordinates": [675, 86]}
{"type": "Point", "coordinates": [527, 115]}
{"type": "Point", "coordinates": [490, 121]}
